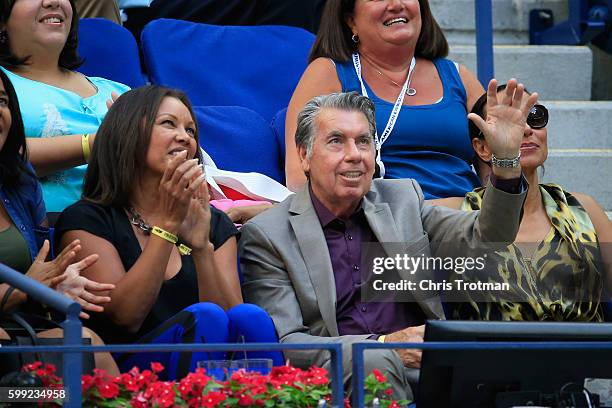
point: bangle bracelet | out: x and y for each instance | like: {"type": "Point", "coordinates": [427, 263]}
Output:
{"type": "Point", "coordinates": [173, 239]}
{"type": "Point", "coordinates": [506, 163]}
{"type": "Point", "coordinates": [85, 147]}
{"type": "Point", "coordinates": [381, 339]}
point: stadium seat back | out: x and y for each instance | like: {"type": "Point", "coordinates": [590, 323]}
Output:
{"type": "Point", "coordinates": [109, 51]}
{"type": "Point", "coordinates": [239, 139]}
{"type": "Point", "coordinates": [278, 127]}
{"type": "Point", "coordinates": [257, 67]}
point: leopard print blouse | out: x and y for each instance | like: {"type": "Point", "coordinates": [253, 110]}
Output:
{"type": "Point", "coordinates": [558, 280]}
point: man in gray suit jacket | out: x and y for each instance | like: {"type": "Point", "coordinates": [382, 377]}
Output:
{"type": "Point", "coordinates": [301, 259]}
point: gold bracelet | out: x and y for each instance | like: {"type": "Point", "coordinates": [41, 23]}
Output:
{"type": "Point", "coordinates": [381, 339]}
{"type": "Point", "coordinates": [170, 237]}
{"type": "Point", "coordinates": [85, 147]}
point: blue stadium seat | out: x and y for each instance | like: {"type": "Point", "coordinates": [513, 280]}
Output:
{"type": "Point", "coordinates": [110, 52]}
{"type": "Point", "coordinates": [257, 67]}
{"type": "Point", "coordinates": [239, 139]}
{"type": "Point", "coordinates": [278, 126]}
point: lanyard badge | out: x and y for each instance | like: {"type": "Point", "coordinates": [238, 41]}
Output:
{"type": "Point", "coordinates": [379, 141]}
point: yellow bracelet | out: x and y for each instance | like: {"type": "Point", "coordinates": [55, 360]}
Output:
{"type": "Point", "coordinates": [381, 339]}
{"type": "Point", "coordinates": [184, 249]}
{"type": "Point", "coordinates": [162, 233]}
{"type": "Point", "coordinates": [85, 147]}
{"type": "Point", "coordinates": [170, 237]}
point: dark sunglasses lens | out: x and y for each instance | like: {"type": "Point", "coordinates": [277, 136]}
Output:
{"type": "Point", "coordinates": [538, 117]}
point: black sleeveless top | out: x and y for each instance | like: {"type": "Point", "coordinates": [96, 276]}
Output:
{"type": "Point", "coordinates": [112, 224]}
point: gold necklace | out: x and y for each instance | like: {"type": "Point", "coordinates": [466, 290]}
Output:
{"type": "Point", "coordinates": [410, 91]}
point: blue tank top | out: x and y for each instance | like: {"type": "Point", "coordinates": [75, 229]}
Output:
{"type": "Point", "coordinates": [429, 143]}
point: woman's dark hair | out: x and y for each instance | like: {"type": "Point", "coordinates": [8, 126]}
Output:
{"type": "Point", "coordinates": [118, 157]}
{"type": "Point", "coordinates": [69, 57]}
{"type": "Point", "coordinates": [14, 153]}
{"type": "Point", "coordinates": [334, 35]}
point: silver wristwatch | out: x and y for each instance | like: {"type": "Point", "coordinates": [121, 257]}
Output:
{"type": "Point", "coordinates": [506, 163]}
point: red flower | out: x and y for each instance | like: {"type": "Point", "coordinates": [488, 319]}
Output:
{"type": "Point", "coordinates": [213, 399]}
{"type": "Point", "coordinates": [157, 367]}
{"type": "Point", "coordinates": [139, 401]}
{"type": "Point", "coordinates": [245, 400]}
{"type": "Point", "coordinates": [32, 367]}
{"type": "Point", "coordinates": [388, 391]}
{"type": "Point", "coordinates": [128, 382]}
{"type": "Point", "coordinates": [379, 376]}
{"type": "Point", "coordinates": [195, 402]}
{"type": "Point", "coordinates": [50, 369]}
{"type": "Point", "coordinates": [108, 390]}
{"type": "Point", "coordinates": [86, 383]}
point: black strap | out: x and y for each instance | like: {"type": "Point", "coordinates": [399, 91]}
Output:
{"type": "Point", "coordinates": [31, 333]}
{"type": "Point", "coordinates": [6, 297]}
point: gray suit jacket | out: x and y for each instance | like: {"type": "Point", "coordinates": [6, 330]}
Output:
{"type": "Point", "coordinates": [287, 268]}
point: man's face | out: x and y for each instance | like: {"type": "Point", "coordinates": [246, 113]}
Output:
{"type": "Point", "coordinates": [342, 161]}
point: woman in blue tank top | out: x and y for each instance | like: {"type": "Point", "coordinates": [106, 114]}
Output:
{"type": "Point", "coordinates": [394, 52]}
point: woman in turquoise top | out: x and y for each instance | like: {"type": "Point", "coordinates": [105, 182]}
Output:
{"type": "Point", "coordinates": [23, 231]}
{"type": "Point", "coordinates": [394, 52]}
{"type": "Point", "coordinates": [61, 108]}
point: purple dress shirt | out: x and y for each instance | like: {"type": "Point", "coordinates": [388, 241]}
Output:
{"type": "Point", "coordinates": [344, 239]}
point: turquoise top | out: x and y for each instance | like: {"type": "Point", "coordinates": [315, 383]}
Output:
{"type": "Point", "coordinates": [429, 143]}
{"type": "Point", "coordinates": [50, 111]}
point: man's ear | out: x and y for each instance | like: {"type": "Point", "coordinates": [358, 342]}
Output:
{"type": "Point", "coordinates": [304, 160]}
{"type": "Point", "coordinates": [482, 149]}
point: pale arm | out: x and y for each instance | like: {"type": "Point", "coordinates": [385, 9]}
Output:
{"type": "Point", "coordinates": [320, 78]}
{"type": "Point", "coordinates": [52, 154]}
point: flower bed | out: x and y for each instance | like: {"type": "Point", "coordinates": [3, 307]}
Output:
{"type": "Point", "coordinates": [285, 386]}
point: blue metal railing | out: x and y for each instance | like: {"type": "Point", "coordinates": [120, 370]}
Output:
{"type": "Point", "coordinates": [73, 363]}
{"type": "Point", "coordinates": [484, 41]}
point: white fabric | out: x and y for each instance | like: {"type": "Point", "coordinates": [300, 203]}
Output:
{"type": "Point", "coordinates": [256, 186]}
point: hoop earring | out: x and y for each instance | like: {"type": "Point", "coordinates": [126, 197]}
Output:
{"type": "Point", "coordinates": [3, 37]}
{"type": "Point", "coordinates": [355, 38]}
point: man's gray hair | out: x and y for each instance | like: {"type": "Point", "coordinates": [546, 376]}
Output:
{"type": "Point", "coordinates": [348, 101]}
